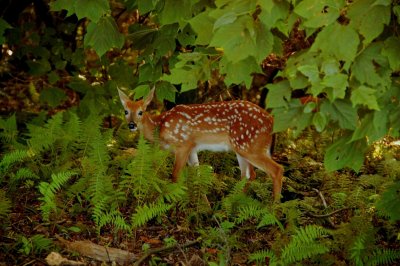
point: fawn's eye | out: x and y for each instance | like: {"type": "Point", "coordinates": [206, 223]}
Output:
{"type": "Point", "coordinates": [126, 112]}
{"type": "Point", "coordinates": [140, 113]}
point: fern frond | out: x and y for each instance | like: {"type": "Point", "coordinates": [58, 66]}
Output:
{"type": "Point", "coordinates": [41, 243]}
{"type": "Point", "coordinates": [173, 192]}
{"type": "Point", "coordinates": [48, 190]}
{"type": "Point", "coordinates": [295, 253]}
{"type": "Point", "coordinates": [357, 250]}
{"type": "Point", "coordinates": [304, 244]}
{"type": "Point", "coordinates": [43, 138]}
{"type": "Point", "coordinates": [114, 218]}
{"type": "Point", "coordinates": [147, 212]}
{"type": "Point", "coordinates": [17, 156]}
{"type": "Point", "coordinates": [5, 205]}
{"type": "Point", "coordinates": [248, 212]}
{"type": "Point", "coordinates": [10, 130]}
{"type": "Point", "coordinates": [24, 173]}
{"type": "Point", "coordinates": [260, 257]}
{"type": "Point", "coordinates": [389, 203]}
{"type": "Point", "coordinates": [269, 219]}
{"type": "Point", "coordinates": [384, 256]}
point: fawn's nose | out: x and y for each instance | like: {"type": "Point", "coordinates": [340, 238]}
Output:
{"type": "Point", "coordinates": [132, 126]}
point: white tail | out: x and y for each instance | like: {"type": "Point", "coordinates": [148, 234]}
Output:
{"type": "Point", "coordinates": [240, 126]}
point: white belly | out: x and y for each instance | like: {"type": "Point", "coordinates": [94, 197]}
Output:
{"type": "Point", "coordinates": [213, 147]}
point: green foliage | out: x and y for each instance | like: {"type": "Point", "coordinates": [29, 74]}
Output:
{"type": "Point", "coordinates": [305, 244]}
{"type": "Point", "coordinates": [145, 213]}
{"type": "Point", "coordinates": [388, 205]}
{"type": "Point", "coordinates": [35, 244]}
{"type": "Point", "coordinates": [48, 191]}
{"type": "Point", "coordinates": [5, 205]}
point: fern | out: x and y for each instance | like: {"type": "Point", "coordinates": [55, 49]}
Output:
{"type": "Point", "coordinates": [114, 218]}
{"type": "Point", "coordinates": [304, 244]}
{"type": "Point", "coordinates": [260, 257]}
{"type": "Point", "coordinates": [5, 205]}
{"type": "Point", "coordinates": [9, 131]}
{"type": "Point", "coordinates": [147, 212]}
{"type": "Point", "coordinates": [383, 256]}
{"type": "Point", "coordinates": [36, 244]}
{"type": "Point", "coordinates": [389, 203]}
{"type": "Point", "coordinates": [13, 157]}
{"type": "Point", "coordinates": [269, 219]}
{"type": "Point", "coordinates": [48, 190]}
{"type": "Point", "coordinates": [43, 138]}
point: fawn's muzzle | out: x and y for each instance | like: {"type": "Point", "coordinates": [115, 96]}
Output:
{"type": "Point", "coordinates": [132, 126]}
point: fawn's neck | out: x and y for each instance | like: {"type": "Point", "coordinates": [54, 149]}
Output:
{"type": "Point", "coordinates": [149, 125]}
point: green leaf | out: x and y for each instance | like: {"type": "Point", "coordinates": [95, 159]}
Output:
{"type": "Point", "coordinates": [237, 39]}
{"type": "Point", "coordinates": [342, 112]}
{"type": "Point", "coordinates": [59, 5]}
{"type": "Point", "coordinates": [319, 121]}
{"type": "Point", "coordinates": [368, 18]}
{"type": "Point", "coordinates": [141, 91]}
{"type": "Point", "coordinates": [146, 6]}
{"type": "Point", "coordinates": [150, 72]}
{"type": "Point", "coordinates": [183, 76]}
{"type": "Point", "coordinates": [292, 117]}
{"type": "Point", "coordinates": [203, 25]}
{"type": "Point", "coordinates": [364, 95]}
{"type": "Point", "coordinates": [310, 71]}
{"type": "Point", "coordinates": [3, 27]}
{"type": "Point", "coordinates": [338, 83]}
{"type": "Point", "coordinates": [344, 154]}
{"type": "Point", "coordinates": [92, 9]}
{"type": "Point", "coordinates": [272, 12]}
{"type": "Point", "coordinates": [373, 126]}
{"type": "Point", "coordinates": [369, 66]}
{"type": "Point", "coordinates": [345, 49]}
{"type": "Point", "coordinates": [225, 19]}
{"type": "Point", "coordinates": [279, 94]}
{"type": "Point", "coordinates": [53, 96]}
{"type": "Point", "coordinates": [165, 91]}
{"type": "Point", "coordinates": [169, 14]}
{"type": "Point", "coordinates": [319, 13]}
{"type": "Point", "coordinates": [391, 51]}
{"type": "Point", "coordinates": [103, 35]}
{"type": "Point", "coordinates": [239, 72]}
{"type": "Point", "coordinates": [39, 67]}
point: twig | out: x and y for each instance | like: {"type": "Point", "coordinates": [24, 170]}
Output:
{"type": "Point", "coordinates": [326, 215]}
{"type": "Point", "coordinates": [325, 205]}
{"type": "Point", "coordinates": [162, 249]}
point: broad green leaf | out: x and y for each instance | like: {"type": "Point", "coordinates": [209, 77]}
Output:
{"type": "Point", "coordinates": [142, 35]}
{"type": "Point", "coordinates": [146, 6]}
{"type": "Point", "coordinates": [396, 10]}
{"type": "Point", "coordinates": [239, 72]}
{"type": "Point", "coordinates": [203, 25]}
{"type": "Point", "coordinates": [225, 19]}
{"type": "Point", "coordinates": [342, 112]}
{"type": "Point", "coordinates": [236, 39]}
{"type": "Point", "coordinates": [141, 91]}
{"type": "Point", "coordinates": [165, 91]}
{"type": "Point", "coordinates": [122, 73]}
{"type": "Point", "coordinates": [264, 41]}
{"type": "Point", "coordinates": [272, 12]}
{"type": "Point", "coordinates": [391, 51]}
{"type": "Point", "coordinates": [3, 26]}
{"type": "Point", "coordinates": [92, 9]}
{"type": "Point", "coordinates": [345, 49]}
{"type": "Point", "coordinates": [366, 66]}
{"type": "Point", "coordinates": [59, 5]}
{"type": "Point", "coordinates": [364, 95]}
{"type": "Point", "coordinates": [373, 127]}
{"type": "Point", "coordinates": [52, 96]}
{"type": "Point", "coordinates": [103, 35]}
{"type": "Point", "coordinates": [368, 18]}
{"type": "Point", "coordinates": [185, 76]}
{"type": "Point", "coordinates": [330, 66]}
{"type": "Point", "coordinates": [310, 71]}
{"type": "Point", "coordinates": [150, 72]}
{"type": "Point", "coordinates": [344, 154]}
{"type": "Point", "coordinates": [319, 121]}
{"type": "Point", "coordinates": [39, 67]}
{"type": "Point", "coordinates": [292, 117]}
{"type": "Point", "coordinates": [278, 94]}
{"type": "Point", "coordinates": [174, 11]}
{"type": "Point", "coordinates": [319, 13]}
{"type": "Point", "coordinates": [338, 83]}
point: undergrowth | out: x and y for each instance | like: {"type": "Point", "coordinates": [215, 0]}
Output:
{"type": "Point", "coordinates": [77, 168]}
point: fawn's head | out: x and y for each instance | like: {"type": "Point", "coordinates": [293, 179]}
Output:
{"type": "Point", "coordinates": [135, 110]}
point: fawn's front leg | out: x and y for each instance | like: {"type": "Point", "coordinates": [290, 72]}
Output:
{"type": "Point", "coordinates": [182, 153]}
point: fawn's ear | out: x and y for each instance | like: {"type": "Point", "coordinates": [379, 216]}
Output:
{"type": "Point", "coordinates": [149, 97]}
{"type": "Point", "coordinates": [123, 97]}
